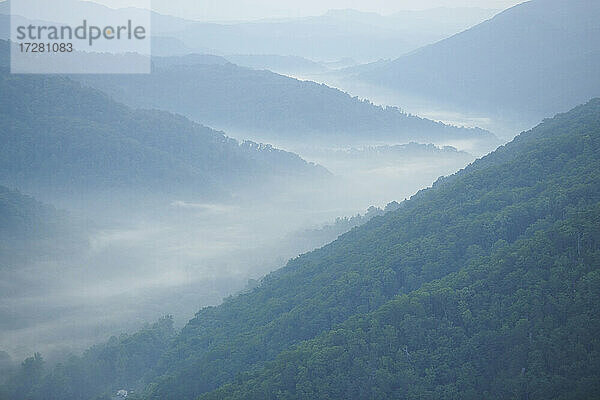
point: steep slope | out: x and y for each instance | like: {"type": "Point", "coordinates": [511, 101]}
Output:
{"type": "Point", "coordinates": [513, 243]}
{"type": "Point", "coordinates": [519, 323]}
{"type": "Point", "coordinates": [58, 136]}
{"type": "Point", "coordinates": [532, 60]}
{"type": "Point", "coordinates": [540, 192]}
{"type": "Point", "coordinates": [274, 107]}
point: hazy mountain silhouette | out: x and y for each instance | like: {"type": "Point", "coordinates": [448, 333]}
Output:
{"type": "Point", "coordinates": [529, 61]}
{"type": "Point", "coordinates": [253, 103]}
{"type": "Point", "coordinates": [60, 136]}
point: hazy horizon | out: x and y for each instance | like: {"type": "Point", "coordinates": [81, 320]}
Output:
{"type": "Point", "coordinates": [238, 10]}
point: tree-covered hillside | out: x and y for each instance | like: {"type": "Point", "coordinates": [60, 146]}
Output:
{"type": "Point", "coordinates": [484, 286]}
{"type": "Point", "coordinates": [274, 107]}
{"type": "Point", "coordinates": [508, 251]}
{"type": "Point", "coordinates": [58, 136]}
{"type": "Point", "coordinates": [98, 373]}
{"type": "Point", "coordinates": [520, 322]}
{"type": "Point", "coordinates": [29, 228]}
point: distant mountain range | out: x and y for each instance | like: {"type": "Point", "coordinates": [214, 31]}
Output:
{"type": "Point", "coordinates": [527, 62]}
{"type": "Point", "coordinates": [340, 33]}
{"type": "Point", "coordinates": [63, 10]}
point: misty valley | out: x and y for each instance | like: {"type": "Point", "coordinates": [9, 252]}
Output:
{"type": "Point", "coordinates": [352, 205]}
{"type": "Point", "coordinates": [180, 241]}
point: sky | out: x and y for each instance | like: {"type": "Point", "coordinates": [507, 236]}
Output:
{"type": "Point", "coordinates": [221, 10]}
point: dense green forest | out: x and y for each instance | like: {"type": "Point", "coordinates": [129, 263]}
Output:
{"type": "Point", "coordinates": [545, 181]}
{"type": "Point", "coordinates": [484, 286]}
{"type": "Point", "coordinates": [58, 136]}
{"type": "Point", "coordinates": [518, 323]}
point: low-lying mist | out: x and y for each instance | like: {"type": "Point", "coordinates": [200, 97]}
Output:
{"type": "Point", "coordinates": [503, 124]}
{"type": "Point", "coordinates": [181, 254]}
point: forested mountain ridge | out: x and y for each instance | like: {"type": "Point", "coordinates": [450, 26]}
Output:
{"type": "Point", "coordinates": [252, 103]}
{"type": "Point", "coordinates": [518, 323]}
{"type": "Point", "coordinates": [536, 188]}
{"type": "Point", "coordinates": [60, 136]}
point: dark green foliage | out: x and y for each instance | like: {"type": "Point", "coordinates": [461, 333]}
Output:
{"type": "Point", "coordinates": [120, 363]}
{"type": "Point", "coordinates": [508, 252]}
{"type": "Point", "coordinates": [519, 323]}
